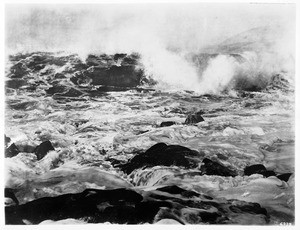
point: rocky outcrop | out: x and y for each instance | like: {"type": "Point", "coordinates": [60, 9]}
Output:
{"type": "Point", "coordinates": [162, 154]}
{"type": "Point", "coordinates": [258, 169]}
{"type": "Point", "coordinates": [285, 176]}
{"type": "Point", "coordinates": [194, 118]}
{"type": "Point", "coordinates": [126, 206]}
{"type": "Point", "coordinates": [210, 167]}
{"type": "Point", "coordinates": [43, 149]}
{"type": "Point", "coordinates": [12, 150]}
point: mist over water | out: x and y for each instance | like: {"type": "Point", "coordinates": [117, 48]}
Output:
{"type": "Point", "coordinates": [163, 35]}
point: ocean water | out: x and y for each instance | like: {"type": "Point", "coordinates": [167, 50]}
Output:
{"type": "Point", "coordinates": [94, 130]}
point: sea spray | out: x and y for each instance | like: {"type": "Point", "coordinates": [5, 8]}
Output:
{"type": "Point", "coordinates": [162, 37]}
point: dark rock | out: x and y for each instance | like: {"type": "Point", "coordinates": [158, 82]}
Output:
{"type": "Point", "coordinates": [258, 169]}
{"type": "Point", "coordinates": [268, 173]}
{"type": "Point", "coordinates": [167, 123]}
{"type": "Point", "coordinates": [12, 151]}
{"type": "Point", "coordinates": [43, 149]}
{"type": "Point", "coordinates": [95, 205]}
{"type": "Point", "coordinates": [254, 169]}
{"type": "Point", "coordinates": [285, 177]}
{"type": "Point", "coordinates": [210, 167]}
{"type": "Point", "coordinates": [124, 206]}
{"type": "Point", "coordinates": [194, 118]}
{"type": "Point", "coordinates": [9, 193]}
{"type": "Point", "coordinates": [15, 83]}
{"type": "Point", "coordinates": [162, 154]}
{"type": "Point", "coordinates": [7, 140]}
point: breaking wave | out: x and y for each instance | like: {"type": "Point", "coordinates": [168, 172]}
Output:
{"type": "Point", "coordinates": [178, 54]}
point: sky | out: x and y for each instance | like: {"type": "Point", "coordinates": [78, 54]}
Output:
{"type": "Point", "coordinates": [111, 28]}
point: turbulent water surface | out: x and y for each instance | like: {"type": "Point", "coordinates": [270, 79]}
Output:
{"type": "Point", "coordinates": [102, 114]}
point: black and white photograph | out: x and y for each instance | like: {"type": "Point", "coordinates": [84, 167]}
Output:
{"type": "Point", "coordinates": [151, 113]}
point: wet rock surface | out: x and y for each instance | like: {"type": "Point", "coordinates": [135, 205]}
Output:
{"type": "Point", "coordinates": [167, 123]}
{"type": "Point", "coordinates": [162, 154]}
{"type": "Point", "coordinates": [285, 177]}
{"type": "Point", "coordinates": [43, 149]}
{"type": "Point", "coordinates": [210, 167]}
{"type": "Point", "coordinates": [194, 118]}
{"type": "Point", "coordinates": [258, 169]}
{"type": "Point", "coordinates": [132, 207]}
{"type": "Point", "coordinates": [12, 151]}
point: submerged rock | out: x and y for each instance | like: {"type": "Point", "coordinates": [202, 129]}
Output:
{"type": "Point", "coordinates": [43, 149]}
{"type": "Point", "coordinates": [12, 151]}
{"type": "Point", "coordinates": [162, 154]}
{"type": "Point", "coordinates": [210, 167]}
{"type": "Point", "coordinates": [258, 169]}
{"type": "Point", "coordinates": [194, 118]}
